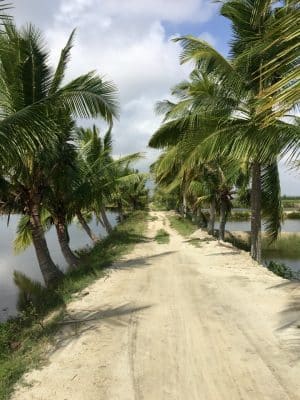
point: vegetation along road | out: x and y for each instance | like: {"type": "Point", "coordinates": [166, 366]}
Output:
{"type": "Point", "coordinates": [176, 319]}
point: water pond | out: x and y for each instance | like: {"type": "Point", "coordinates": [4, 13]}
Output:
{"type": "Point", "coordinates": [26, 262]}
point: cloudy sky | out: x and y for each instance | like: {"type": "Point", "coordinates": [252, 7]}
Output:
{"type": "Point", "coordinates": [129, 41]}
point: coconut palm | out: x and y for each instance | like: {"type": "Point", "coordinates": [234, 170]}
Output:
{"type": "Point", "coordinates": [243, 131]}
{"type": "Point", "coordinates": [32, 91]}
{"type": "Point", "coordinates": [107, 177]}
{"type": "Point", "coordinates": [62, 181]}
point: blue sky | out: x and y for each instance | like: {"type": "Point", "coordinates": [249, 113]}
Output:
{"type": "Point", "coordinates": [128, 41]}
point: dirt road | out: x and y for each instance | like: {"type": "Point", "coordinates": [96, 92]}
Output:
{"type": "Point", "coordinates": [174, 321]}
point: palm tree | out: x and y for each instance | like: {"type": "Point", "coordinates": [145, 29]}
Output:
{"type": "Point", "coordinates": [107, 177]}
{"type": "Point", "coordinates": [245, 74]}
{"type": "Point", "coordinates": [33, 92]}
{"type": "Point", "coordinates": [62, 181]}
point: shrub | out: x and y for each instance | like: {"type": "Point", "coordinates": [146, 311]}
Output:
{"type": "Point", "coordinates": [280, 269]}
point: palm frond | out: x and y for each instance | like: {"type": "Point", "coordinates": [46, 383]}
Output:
{"type": "Point", "coordinates": [62, 64]}
{"type": "Point", "coordinates": [271, 201]}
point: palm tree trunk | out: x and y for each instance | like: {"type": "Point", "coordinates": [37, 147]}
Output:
{"type": "Point", "coordinates": [50, 272]}
{"type": "Point", "coordinates": [120, 211]}
{"type": "Point", "coordinates": [201, 219]}
{"type": "Point", "coordinates": [212, 217]}
{"type": "Point", "coordinates": [256, 212]}
{"type": "Point", "coordinates": [184, 206]}
{"type": "Point", "coordinates": [63, 239]}
{"type": "Point", "coordinates": [223, 220]}
{"type": "Point", "coordinates": [105, 220]}
{"type": "Point", "coordinates": [86, 227]}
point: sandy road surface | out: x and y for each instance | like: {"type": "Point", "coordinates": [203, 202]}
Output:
{"type": "Point", "coordinates": [177, 322]}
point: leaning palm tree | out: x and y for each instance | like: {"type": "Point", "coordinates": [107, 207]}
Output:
{"type": "Point", "coordinates": [32, 95]}
{"type": "Point", "coordinates": [63, 173]}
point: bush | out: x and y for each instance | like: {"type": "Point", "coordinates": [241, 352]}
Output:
{"type": "Point", "coordinates": [280, 269]}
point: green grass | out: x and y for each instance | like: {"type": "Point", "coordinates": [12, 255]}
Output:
{"type": "Point", "coordinates": [183, 226]}
{"type": "Point", "coordinates": [162, 237]}
{"type": "Point", "coordinates": [24, 339]}
{"type": "Point", "coordinates": [239, 216]}
{"type": "Point", "coordinates": [286, 246]}
{"type": "Point", "coordinates": [281, 269]}
{"type": "Point", "coordinates": [195, 242]}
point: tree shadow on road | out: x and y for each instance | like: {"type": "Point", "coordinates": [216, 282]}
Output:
{"type": "Point", "coordinates": [75, 324]}
{"type": "Point", "coordinates": [140, 262]}
{"type": "Point", "coordinates": [289, 318]}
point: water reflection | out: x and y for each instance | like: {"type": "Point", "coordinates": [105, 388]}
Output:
{"type": "Point", "coordinates": [26, 262]}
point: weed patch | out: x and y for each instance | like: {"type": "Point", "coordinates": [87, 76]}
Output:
{"type": "Point", "coordinates": [183, 226]}
{"type": "Point", "coordinates": [162, 237]}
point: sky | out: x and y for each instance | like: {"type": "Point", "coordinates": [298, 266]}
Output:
{"type": "Point", "coordinates": [130, 43]}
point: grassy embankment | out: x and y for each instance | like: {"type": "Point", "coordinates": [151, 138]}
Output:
{"type": "Point", "coordinates": [288, 245]}
{"type": "Point", "coordinates": [23, 340]}
{"type": "Point", "coordinates": [184, 227]}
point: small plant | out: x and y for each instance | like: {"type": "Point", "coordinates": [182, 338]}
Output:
{"type": "Point", "coordinates": [280, 269]}
{"type": "Point", "coordinates": [162, 237]}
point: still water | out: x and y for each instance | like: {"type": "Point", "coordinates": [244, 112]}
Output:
{"type": "Point", "coordinates": [26, 261]}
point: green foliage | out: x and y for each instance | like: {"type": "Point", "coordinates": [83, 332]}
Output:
{"type": "Point", "coordinates": [23, 339]}
{"type": "Point", "coordinates": [280, 269]}
{"type": "Point", "coordinates": [223, 114]}
{"type": "Point", "coordinates": [163, 200]}
{"type": "Point", "coordinates": [162, 237]}
{"type": "Point", "coordinates": [34, 298]}
{"type": "Point", "coordinates": [195, 242]}
{"type": "Point", "coordinates": [287, 245]}
{"type": "Point", "coordinates": [237, 242]}
{"type": "Point", "coordinates": [183, 226]}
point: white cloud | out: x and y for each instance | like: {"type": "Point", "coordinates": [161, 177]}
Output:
{"type": "Point", "coordinates": [127, 42]}
{"type": "Point", "coordinates": [168, 10]}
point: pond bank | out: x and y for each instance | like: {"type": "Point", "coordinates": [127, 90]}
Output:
{"type": "Point", "coordinates": [23, 340]}
{"type": "Point", "coordinates": [26, 262]}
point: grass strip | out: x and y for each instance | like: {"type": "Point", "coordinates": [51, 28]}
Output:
{"type": "Point", "coordinates": [183, 226]}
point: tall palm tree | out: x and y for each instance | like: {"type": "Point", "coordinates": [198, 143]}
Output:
{"type": "Point", "coordinates": [30, 90]}
{"type": "Point", "coordinates": [247, 74]}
